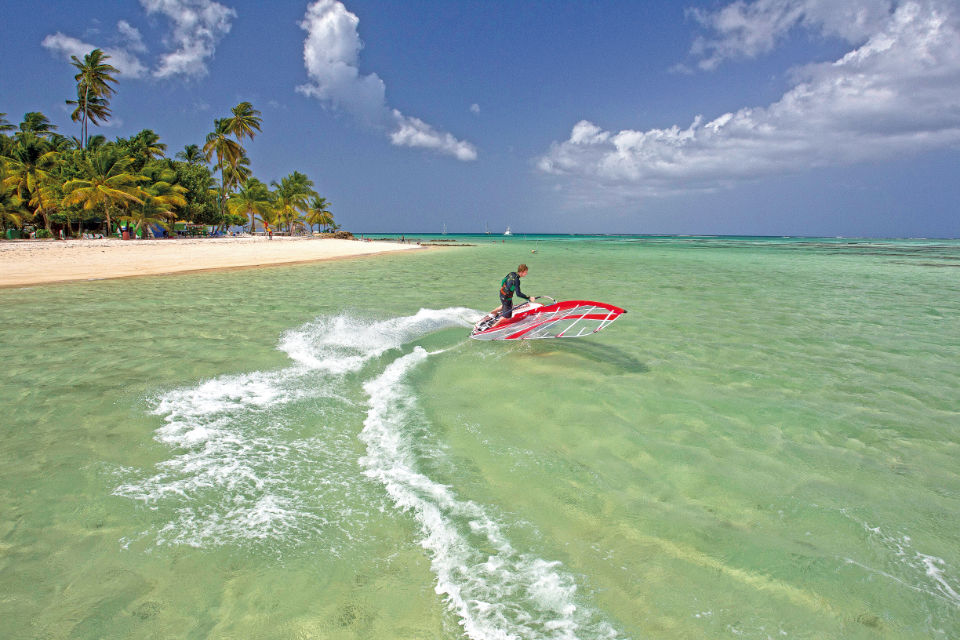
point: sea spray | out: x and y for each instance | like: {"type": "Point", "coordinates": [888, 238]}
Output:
{"type": "Point", "coordinates": [243, 476]}
{"type": "Point", "coordinates": [242, 471]}
{"type": "Point", "coordinates": [496, 591]}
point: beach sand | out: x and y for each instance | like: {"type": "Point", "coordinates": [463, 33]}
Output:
{"type": "Point", "coordinates": [27, 263]}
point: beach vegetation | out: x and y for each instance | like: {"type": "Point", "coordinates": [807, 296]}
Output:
{"type": "Point", "coordinates": [142, 148]}
{"type": "Point", "coordinates": [12, 210]}
{"type": "Point", "coordinates": [227, 151]}
{"type": "Point", "coordinates": [162, 199]}
{"type": "Point", "coordinates": [50, 180]}
{"type": "Point", "coordinates": [191, 154]}
{"type": "Point", "coordinates": [252, 198]}
{"type": "Point", "coordinates": [30, 169]}
{"type": "Point", "coordinates": [245, 122]}
{"type": "Point", "coordinates": [93, 90]}
{"type": "Point", "coordinates": [37, 125]}
{"type": "Point", "coordinates": [293, 194]}
{"type": "Point", "coordinates": [319, 213]}
{"type": "Point", "coordinates": [106, 183]}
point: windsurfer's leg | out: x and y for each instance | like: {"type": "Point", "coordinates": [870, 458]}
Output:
{"type": "Point", "coordinates": [506, 312]}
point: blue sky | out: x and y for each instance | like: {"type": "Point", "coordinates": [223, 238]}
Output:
{"type": "Point", "coordinates": [768, 117]}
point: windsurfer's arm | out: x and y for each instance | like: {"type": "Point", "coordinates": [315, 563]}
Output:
{"type": "Point", "coordinates": [521, 293]}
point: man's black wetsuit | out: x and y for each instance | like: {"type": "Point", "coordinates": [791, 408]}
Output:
{"type": "Point", "coordinates": [509, 286]}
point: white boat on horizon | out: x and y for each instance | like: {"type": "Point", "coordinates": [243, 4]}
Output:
{"type": "Point", "coordinates": [507, 232]}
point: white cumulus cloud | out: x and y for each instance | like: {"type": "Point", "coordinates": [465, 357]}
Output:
{"type": "Point", "coordinates": [331, 54]}
{"type": "Point", "coordinates": [896, 93]}
{"type": "Point", "coordinates": [747, 29]}
{"type": "Point", "coordinates": [131, 37]}
{"type": "Point", "coordinates": [197, 28]}
{"type": "Point", "coordinates": [413, 132]}
{"type": "Point", "coordinates": [127, 64]}
{"type": "Point", "coordinates": [198, 25]}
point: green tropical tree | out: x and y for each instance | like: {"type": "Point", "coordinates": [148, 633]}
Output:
{"type": "Point", "coordinates": [201, 193]}
{"type": "Point", "coordinates": [252, 198]}
{"type": "Point", "coordinates": [6, 142]}
{"type": "Point", "coordinates": [319, 213]}
{"type": "Point", "coordinates": [12, 210]}
{"type": "Point", "coordinates": [191, 154]}
{"type": "Point", "coordinates": [36, 124]}
{"type": "Point", "coordinates": [95, 142]}
{"type": "Point", "coordinates": [143, 147]}
{"type": "Point", "coordinates": [106, 184]}
{"type": "Point", "coordinates": [237, 174]}
{"type": "Point", "coordinates": [161, 201]}
{"type": "Point", "coordinates": [245, 121]}
{"type": "Point", "coordinates": [88, 109]}
{"type": "Point", "coordinates": [30, 174]}
{"type": "Point", "coordinates": [93, 89]}
{"type": "Point", "coordinates": [228, 153]}
{"type": "Point", "coordinates": [293, 194]}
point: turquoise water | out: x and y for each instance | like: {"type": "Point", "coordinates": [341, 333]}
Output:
{"type": "Point", "coordinates": [765, 446]}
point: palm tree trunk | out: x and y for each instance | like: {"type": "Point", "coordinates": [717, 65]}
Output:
{"type": "Point", "coordinates": [43, 211]}
{"type": "Point", "coordinates": [83, 128]}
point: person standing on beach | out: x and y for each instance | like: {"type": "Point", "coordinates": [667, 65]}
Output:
{"type": "Point", "coordinates": [509, 286]}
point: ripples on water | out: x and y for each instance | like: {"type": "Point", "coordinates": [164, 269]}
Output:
{"type": "Point", "coordinates": [764, 447]}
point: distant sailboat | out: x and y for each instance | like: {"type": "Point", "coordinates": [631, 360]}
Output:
{"type": "Point", "coordinates": [507, 232]}
{"type": "Point", "coordinates": [444, 228]}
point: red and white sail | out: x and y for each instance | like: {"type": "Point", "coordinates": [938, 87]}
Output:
{"type": "Point", "coordinates": [532, 321]}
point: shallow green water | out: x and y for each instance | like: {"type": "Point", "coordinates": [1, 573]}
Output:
{"type": "Point", "coordinates": [766, 446]}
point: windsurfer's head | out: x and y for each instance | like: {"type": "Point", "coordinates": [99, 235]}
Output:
{"type": "Point", "coordinates": [522, 270]}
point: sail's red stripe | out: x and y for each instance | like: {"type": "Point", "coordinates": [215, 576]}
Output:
{"type": "Point", "coordinates": [586, 316]}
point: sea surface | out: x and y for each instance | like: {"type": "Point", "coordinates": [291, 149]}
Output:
{"type": "Point", "coordinates": [766, 446]}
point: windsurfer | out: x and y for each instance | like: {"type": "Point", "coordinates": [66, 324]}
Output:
{"type": "Point", "coordinates": [509, 286]}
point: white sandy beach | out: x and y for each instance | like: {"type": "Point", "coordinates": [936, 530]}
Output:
{"type": "Point", "coordinates": [40, 262]}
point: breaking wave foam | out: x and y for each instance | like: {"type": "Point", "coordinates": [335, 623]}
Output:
{"type": "Point", "coordinates": [496, 591]}
{"type": "Point", "coordinates": [242, 473]}
{"type": "Point", "coordinates": [937, 582]}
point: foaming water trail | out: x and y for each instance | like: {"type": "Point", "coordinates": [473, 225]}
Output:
{"type": "Point", "coordinates": [939, 584]}
{"type": "Point", "coordinates": [260, 456]}
{"type": "Point", "coordinates": [496, 591]}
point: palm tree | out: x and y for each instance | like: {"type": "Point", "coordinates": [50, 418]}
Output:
{"type": "Point", "coordinates": [95, 142]}
{"type": "Point", "coordinates": [90, 108]}
{"type": "Point", "coordinates": [238, 173]}
{"type": "Point", "coordinates": [292, 196]}
{"type": "Point", "coordinates": [143, 147]}
{"type": "Point", "coordinates": [191, 154]}
{"type": "Point", "coordinates": [161, 197]}
{"type": "Point", "coordinates": [319, 214]}
{"type": "Point", "coordinates": [36, 124]}
{"type": "Point", "coordinates": [244, 122]}
{"type": "Point", "coordinates": [253, 199]}
{"type": "Point", "coordinates": [227, 151]}
{"type": "Point", "coordinates": [30, 176]}
{"type": "Point", "coordinates": [11, 206]}
{"type": "Point", "coordinates": [106, 183]}
{"type": "Point", "coordinates": [5, 141]}
{"type": "Point", "coordinates": [93, 84]}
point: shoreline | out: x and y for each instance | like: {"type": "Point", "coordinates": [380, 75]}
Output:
{"type": "Point", "coordinates": [28, 263]}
